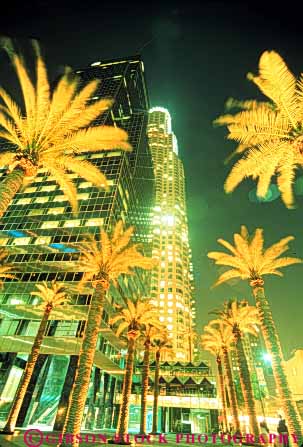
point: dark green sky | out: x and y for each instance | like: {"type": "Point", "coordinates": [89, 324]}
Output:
{"type": "Point", "coordinates": [195, 58]}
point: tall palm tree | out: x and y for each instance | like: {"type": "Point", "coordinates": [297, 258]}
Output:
{"type": "Point", "coordinates": [52, 131]}
{"type": "Point", "coordinates": [161, 343]}
{"type": "Point", "coordinates": [133, 318]}
{"type": "Point", "coordinates": [51, 297]}
{"type": "Point", "coordinates": [150, 331]}
{"type": "Point", "coordinates": [103, 260]}
{"type": "Point", "coordinates": [242, 319]}
{"type": "Point", "coordinates": [217, 339]}
{"type": "Point", "coordinates": [249, 260]}
{"type": "Point", "coordinates": [270, 134]}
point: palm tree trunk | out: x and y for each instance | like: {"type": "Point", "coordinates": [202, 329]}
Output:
{"type": "Point", "coordinates": [127, 386]}
{"type": "Point", "coordinates": [9, 188]}
{"type": "Point", "coordinates": [222, 390]}
{"type": "Point", "coordinates": [246, 386]}
{"type": "Point", "coordinates": [27, 374]}
{"type": "Point", "coordinates": [273, 346]}
{"type": "Point", "coordinates": [86, 360]}
{"type": "Point", "coordinates": [145, 376]}
{"type": "Point", "coordinates": [231, 391]}
{"type": "Point", "coordinates": [156, 393]}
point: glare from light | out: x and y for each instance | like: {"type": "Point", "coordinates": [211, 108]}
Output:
{"type": "Point", "coordinates": [267, 357]}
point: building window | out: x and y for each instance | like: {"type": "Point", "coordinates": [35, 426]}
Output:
{"type": "Point", "coordinates": [50, 224]}
{"type": "Point", "coordinates": [24, 201]}
{"type": "Point", "coordinates": [56, 210]}
{"type": "Point", "coordinates": [41, 199]}
{"type": "Point", "coordinates": [35, 212]}
{"type": "Point", "coordinates": [59, 199]}
{"type": "Point", "coordinates": [49, 188]}
{"type": "Point", "coordinates": [85, 185]}
{"type": "Point", "coordinates": [72, 223]}
{"type": "Point", "coordinates": [94, 222]}
{"type": "Point", "coordinates": [43, 240]}
{"type": "Point", "coordinates": [21, 241]}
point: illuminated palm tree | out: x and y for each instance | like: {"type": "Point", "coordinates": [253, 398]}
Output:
{"type": "Point", "coordinates": [161, 343]}
{"type": "Point", "coordinates": [270, 134]}
{"type": "Point", "coordinates": [103, 260]}
{"type": "Point", "coordinates": [51, 297]}
{"type": "Point", "coordinates": [133, 318]}
{"type": "Point", "coordinates": [151, 330]}
{"type": "Point", "coordinates": [242, 319]}
{"type": "Point", "coordinates": [217, 339]}
{"type": "Point", "coordinates": [249, 260]}
{"type": "Point", "coordinates": [52, 132]}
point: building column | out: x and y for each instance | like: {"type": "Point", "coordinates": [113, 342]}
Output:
{"type": "Point", "coordinates": [30, 390]}
{"type": "Point", "coordinates": [7, 359]}
{"type": "Point", "coordinates": [66, 392]}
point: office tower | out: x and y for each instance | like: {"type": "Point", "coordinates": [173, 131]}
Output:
{"type": "Point", "coordinates": [38, 228]}
{"type": "Point", "coordinates": [172, 288]}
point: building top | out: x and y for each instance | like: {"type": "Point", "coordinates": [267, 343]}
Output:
{"type": "Point", "coordinates": [167, 125]}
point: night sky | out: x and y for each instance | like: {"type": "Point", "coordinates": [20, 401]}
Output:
{"type": "Point", "coordinates": [195, 58]}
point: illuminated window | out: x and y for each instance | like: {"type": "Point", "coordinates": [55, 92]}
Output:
{"type": "Point", "coordinates": [85, 185]}
{"type": "Point", "coordinates": [72, 223]}
{"type": "Point", "coordinates": [161, 303]}
{"type": "Point", "coordinates": [35, 212]}
{"type": "Point", "coordinates": [43, 240]}
{"type": "Point", "coordinates": [24, 201]}
{"type": "Point", "coordinates": [170, 304]}
{"type": "Point", "coordinates": [56, 210]}
{"type": "Point", "coordinates": [97, 155]}
{"type": "Point", "coordinates": [59, 199]}
{"type": "Point", "coordinates": [50, 224]}
{"type": "Point", "coordinates": [11, 385]}
{"type": "Point", "coordinates": [49, 188]}
{"type": "Point", "coordinates": [170, 327]}
{"type": "Point", "coordinates": [31, 189]}
{"type": "Point", "coordinates": [41, 199]}
{"type": "Point", "coordinates": [161, 319]}
{"type": "Point", "coordinates": [22, 241]}
{"type": "Point", "coordinates": [170, 311]}
{"type": "Point", "coordinates": [83, 196]}
{"type": "Point", "coordinates": [94, 222]}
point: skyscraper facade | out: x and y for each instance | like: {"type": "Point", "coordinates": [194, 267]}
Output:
{"type": "Point", "coordinates": [37, 230]}
{"type": "Point", "coordinates": [172, 281]}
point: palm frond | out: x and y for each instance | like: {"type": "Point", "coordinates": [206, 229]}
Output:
{"type": "Point", "coordinates": [278, 83]}
{"type": "Point", "coordinates": [9, 188]}
{"type": "Point", "coordinates": [250, 260]}
{"type": "Point", "coordinates": [66, 185]}
{"type": "Point", "coordinates": [226, 276]}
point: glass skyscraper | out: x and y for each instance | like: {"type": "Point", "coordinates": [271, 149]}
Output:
{"type": "Point", "coordinates": [37, 230]}
{"type": "Point", "coordinates": [172, 282]}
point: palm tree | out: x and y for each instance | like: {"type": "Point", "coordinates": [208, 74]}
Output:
{"type": "Point", "coordinates": [242, 318]}
{"type": "Point", "coordinates": [217, 339]}
{"type": "Point", "coordinates": [133, 318]}
{"type": "Point", "coordinates": [151, 330]}
{"type": "Point", "coordinates": [102, 260]}
{"type": "Point", "coordinates": [161, 343]}
{"type": "Point", "coordinates": [270, 134]}
{"type": "Point", "coordinates": [51, 297]}
{"type": "Point", "coordinates": [52, 132]}
{"type": "Point", "coordinates": [249, 260]}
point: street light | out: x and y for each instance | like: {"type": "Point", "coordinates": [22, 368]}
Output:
{"type": "Point", "coordinates": [267, 357]}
